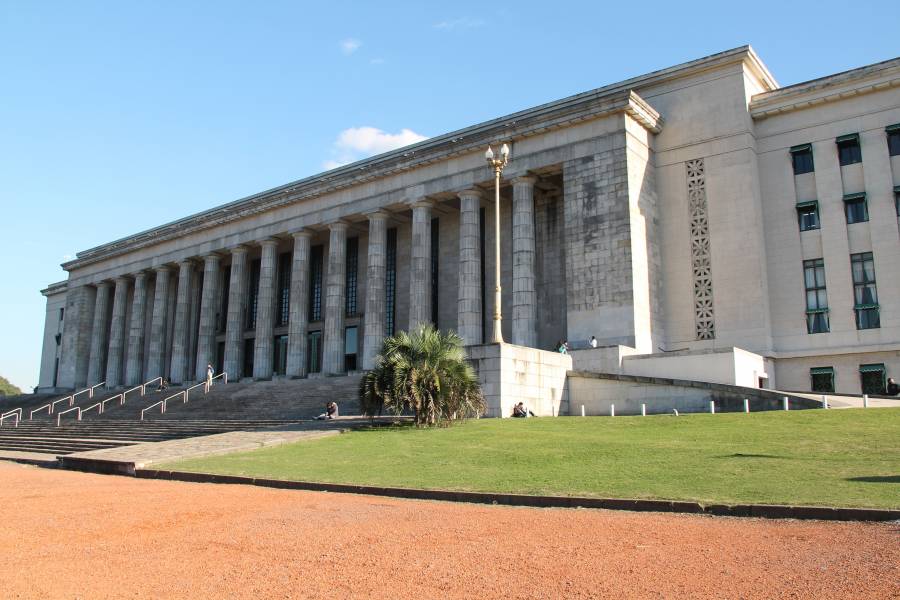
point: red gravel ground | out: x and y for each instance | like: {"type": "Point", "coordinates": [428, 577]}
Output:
{"type": "Point", "coordinates": [76, 535]}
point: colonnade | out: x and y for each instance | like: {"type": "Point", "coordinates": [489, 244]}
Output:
{"type": "Point", "coordinates": [197, 324]}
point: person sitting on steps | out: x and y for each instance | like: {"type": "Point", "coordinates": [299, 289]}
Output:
{"type": "Point", "coordinates": [520, 411]}
{"type": "Point", "coordinates": [163, 385]}
{"type": "Point", "coordinates": [331, 411]}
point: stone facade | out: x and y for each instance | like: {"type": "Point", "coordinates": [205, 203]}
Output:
{"type": "Point", "coordinates": [657, 214]}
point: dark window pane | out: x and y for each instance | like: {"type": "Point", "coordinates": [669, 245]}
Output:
{"type": "Point", "coordinates": [390, 281]}
{"type": "Point", "coordinates": [872, 382]}
{"type": "Point", "coordinates": [314, 351]}
{"type": "Point", "coordinates": [803, 162]}
{"type": "Point", "coordinates": [823, 382]}
{"type": "Point", "coordinates": [253, 296]}
{"type": "Point", "coordinates": [857, 210]}
{"type": "Point", "coordinates": [351, 343]}
{"type": "Point", "coordinates": [316, 256]}
{"type": "Point", "coordinates": [352, 267]}
{"type": "Point", "coordinates": [848, 152]}
{"type": "Point", "coordinates": [435, 252]}
{"type": "Point", "coordinates": [284, 290]}
{"type": "Point", "coordinates": [894, 143]}
{"type": "Point", "coordinates": [808, 217]}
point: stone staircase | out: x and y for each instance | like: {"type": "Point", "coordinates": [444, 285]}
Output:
{"type": "Point", "coordinates": [227, 407]}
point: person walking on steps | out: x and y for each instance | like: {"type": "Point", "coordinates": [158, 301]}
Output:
{"type": "Point", "coordinates": [209, 376]}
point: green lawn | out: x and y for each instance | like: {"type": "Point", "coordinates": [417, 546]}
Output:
{"type": "Point", "coordinates": [834, 458]}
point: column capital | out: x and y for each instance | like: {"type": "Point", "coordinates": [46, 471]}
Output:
{"type": "Point", "coordinates": [302, 233]}
{"type": "Point", "coordinates": [162, 269]}
{"type": "Point", "coordinates": [139, 275]}
{"type": "Point", "coordinates": [211, 256]}
{"type": "Point", "coordinates": [470, 193]}
{"type": "Point", "coordinates": [269, 241]}
{"type": "Point", "coordinates": [378, 214]}
{"type": "Point", "coordinates": [528, 180]}
{"type": "Point", "coordinates": [339, 225]}
{"type": "Point", "coordinates": [102, 284]}
{"type": "Point", "coordinates": [186, 263]}
{"type": "Point", "coordinates": [423, 202]}
{"type": "Point", "coordinates": [121, 279]}
{"type": "Point", "coordinates": [239, 249]}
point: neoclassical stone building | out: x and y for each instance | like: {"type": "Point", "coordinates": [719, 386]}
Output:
{"type": "Point", "coordinates": [700, 221]}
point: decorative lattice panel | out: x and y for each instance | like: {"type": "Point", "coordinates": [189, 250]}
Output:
{"type": "Point", "coordinates": [701, 266]}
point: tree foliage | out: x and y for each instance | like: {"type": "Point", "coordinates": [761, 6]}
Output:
{"type": "Point", "coordinates": [426, 373]}
{"type": "Point", "coordinates": [8, 389]}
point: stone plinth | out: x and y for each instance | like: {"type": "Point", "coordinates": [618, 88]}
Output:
{"type": "Point", "coordinates": [511, 374]}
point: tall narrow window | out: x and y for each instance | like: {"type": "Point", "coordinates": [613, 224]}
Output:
{"type": "Point", "coordinates": [316, 255]}
{"type": "Point", "coordinates": [352, 264]}
{"type": "Point", "coordinates": [808, 215]}
{"type": "Point", "coordinates": [848, 149]}
{"type": "Point", "coordinates": [351, 343]}
{"type": "Point", "coordinates": [253, 295]}
{"type": "Point", "coordinates": [893, 139]}
{"type": "Point", "coordinates": [435, 252]}
{"type": "Point", "coordinates": [897, 199]}
{"type": "Point", "coordinates": [822, 379]}
{"type": "Point", "coordinates": [481, 234]}
{"type": "Point", "coordinates": [872, 379]}
{"type": "Point", "coordinates": [856, 208]}
{"type": "Point", "coordinates": [314, 351]}
{"type": "Point", "coordinates": [864, 291]}
{"type": "Point", "coordinates": [816, 296]}
{"type": "Point", "coordinates": [248, 356]}
{"type": "Point", "coordinates": [280, 363]}
{"type": "Point", "coordinates": [222, 315]}
{"type": "Point", "coordinates": [284, 290]}
{"type": "Point", "coordinates": [802, 159]}
{"type": "Point", "coordinates": [390, 281]}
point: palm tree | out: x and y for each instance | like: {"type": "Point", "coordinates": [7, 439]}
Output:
{"type": "Point", "coordinates": [426, 373]}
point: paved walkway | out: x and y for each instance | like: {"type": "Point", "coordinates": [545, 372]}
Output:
{"type": "Point", "coordinates": [852, 401]}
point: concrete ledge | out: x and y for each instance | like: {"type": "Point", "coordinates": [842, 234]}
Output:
{"type": "Point", "coordinates": [766, 511]}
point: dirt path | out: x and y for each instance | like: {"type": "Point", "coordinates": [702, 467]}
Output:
{"type": "Point", "coordinates": [75, 535]}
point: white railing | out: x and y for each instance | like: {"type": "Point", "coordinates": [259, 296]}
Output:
{"type": "Point", "coordinates": [98, 406]}
{"type": "Point", "coordinates": [16, 412]}
{"type": "Point", "coordinates": [161, 404]}
{"type": "Point", "coordinates": [137, 388]}
{"type": "Point", "coordinates": [187, 392]}
{"type": "Point", "coordinates": [91, 389]}
{"type": "Point", "coordinates": [48, 406]}
{"type": "Point", "coordinates": [84, 391]}
{"type": "Point", "coordinates": [71, 400]}
{"type": "Point", "coordinates": [185, 395]}
{"type": "Point", "coordinates": [78, 414]}
{"type": "Point", "coordinates": [146, 383]}
{"type": "Point", "coordinates": [223, 374]}
{"type": "Point", "coordinates": [121, 398]}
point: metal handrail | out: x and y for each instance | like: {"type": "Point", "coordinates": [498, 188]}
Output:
{"type": "Point", "coordinates": [17, 412]}
{"type": "Point", "coordinates": [146, 383]}
{"type": "Point", "coordinates": [71, 400]}
{"type": "Point", "coordinates": [47, 406]}
{"type": "Point", "coordinates": [98, 406]}
{"type": "Point", "coordinates": [59, 415]}
{"type": "Point", "coordinates": [84, 391]}
{"type": "Point", "coordinates": [222, 374]}
{"type": "Point", "coordinates": [187, 392]}
{"type": "Point", "coordinates": [161, 404]}
{"type": "Point", "coordinates": [91, 392]}
{"type": "Point", "coordinates": [121, 398]}
{"type": "Point", "coordinates": [137, 387]}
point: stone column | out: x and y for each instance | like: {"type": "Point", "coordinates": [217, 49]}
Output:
{"type": "Point", "coordinates": [469, 309]}
{"type": "Point", "coordinates": [336, 282]}
{"type": "Point", "coordinates": [420, 265]}
{"type": "Point", "coordinates": [375, 281]}
{"type": "Point", "coordinates": [265, 311]}
{"type": "Point", "coordinates": [158, 324]}
{"type": "Point", "coordinates": [237, 306]}
{"type": "Point", "coordinates": [206, 335]}
{"type": "Point", "coordinates": [76, 336]}
{"type": "Point", "coordinates": [97, 363]}
{"type": "Point", "coordinates": [298, 318]}
{"type": "Point", "coordinates": [524, 298]}
{"type": "Point", "coordinates": [117, 334]}
{"type": "Point", "coordinates": [135, 364]}
{"type": "Point", "coordinates": [178, 369]}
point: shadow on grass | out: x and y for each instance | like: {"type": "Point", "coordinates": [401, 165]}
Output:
{"type": "Point", "coordinates": [740, 455]}
{"type": "Point", "coordinates": [877, 479]}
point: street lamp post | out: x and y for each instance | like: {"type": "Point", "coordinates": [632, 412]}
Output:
{"type": "Point", "coordinates": [497, 164]}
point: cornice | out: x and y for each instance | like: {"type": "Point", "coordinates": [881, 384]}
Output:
{"type": "Point", "coordinates": [840, 86]}
{"type": "Point", "coordinates": [55, 288]}
{"type": "Point", "coordinates": [595, 104]}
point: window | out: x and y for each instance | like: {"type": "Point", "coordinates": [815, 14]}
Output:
{"type": "Point", "coordinates": [848, 149]}
{"type": "Point", "coordinates": [865, 294]}
{"type": "Point", "coordinates": [856, 208]}
{"type": "Point", "coordinates": [249, 345]}
{"type": "Point", "coordinates": [352, 266]}
{"type": "Point", "coordinates": [816, 297]}
{"type": "Point", "coordinates": [253, 295]}
{"type": "Point", "coordinates": [280, 364]}
{"type": "Point", "coordinates": [351, 342]}
{"type": "Point", "coordinates": [808, 215]}
{"type": "Point", "coordinates": [222, 315]}
{"type": "Point", "coordinates": [893, 139]}
{"type": "Point", "coordinates": [62, 313]}
{"type": "Point", "coordinates": [802, 159]}
{"type": "Point", "coordinates": [897, 199]}
{"type": "Point", "coordinates": [314, 351]}
{"type": "Point", "coordinates": [872, 379]}
{"type": "Point", "coordinates": [390, 281]}
{"type": "Point", "coordinates": [435, 251]}
{"type": "Point", "coordinates": [283, 313]}
{"type": "Point", "coordinates": [822, 379]}
{"type": "Point", "coordinates": [316, 255]}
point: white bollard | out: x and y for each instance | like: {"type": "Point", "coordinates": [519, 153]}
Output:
{"type": "Point", "coordinates": [746, 405]}
{"type": "Point", "coordinates": [865, 401]}
{"type": "Point", "coordinates": [712, 407]}
{"type": "Point", "coordinates": [824, 401]}
{"type": "Point", "coordinates": [582, 410]}
{"type": "Point", "coordinates": [643, 410]}
{"type": "Point", "coordinates": [612, 410]}
{"type": "Point", "coordinates": [787, 406]}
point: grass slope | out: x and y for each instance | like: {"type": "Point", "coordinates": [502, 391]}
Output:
{"type": "Point", "coordinates": [834, 458]}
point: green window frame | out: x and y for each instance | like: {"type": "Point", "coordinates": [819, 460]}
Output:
{"type": "Point", "coordinates": [893, 139]}
{"type": "Point", "coordinates": [802, 159]}
{"type": "Point", "coordinates": [849, 152]}
{"type": "Point", "coordinates": [856, 208]}
{"type": "Point", "coordinates": [821, 379]}
{"type": "Point", "coordinates": [808, 215]}
{"type": "Point", "coordinates": [865, 291]}
{"type": "Point", "coordinates": [873, 378]}
{"type": "Point", "coordinates": [816, 296]}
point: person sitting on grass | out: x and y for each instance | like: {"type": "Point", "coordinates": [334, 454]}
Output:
{"type": "Point", "coordinates": [520, 411]}
{"type": "Point", "coordinates": [331, 411]}
{"type": "Point", "coordinates": [892, 388]}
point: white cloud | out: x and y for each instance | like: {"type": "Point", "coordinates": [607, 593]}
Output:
{"type": "Point", "coordinates": [461, 23]}
{"type": "Point", "coordinates": [350, 45]}
{"type": "Point", "coordinates": [356, 143]}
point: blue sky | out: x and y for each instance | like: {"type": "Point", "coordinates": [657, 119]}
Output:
{"type": "Point", "coordinates": [118, 116]}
